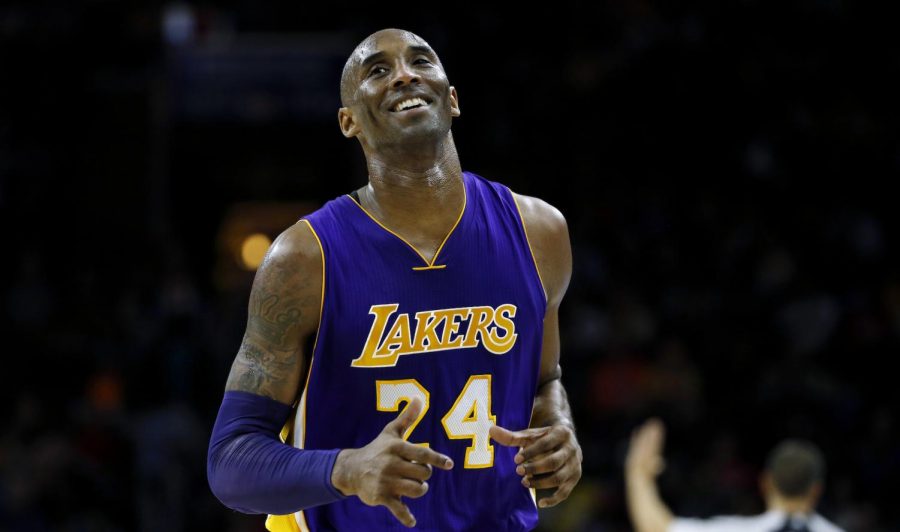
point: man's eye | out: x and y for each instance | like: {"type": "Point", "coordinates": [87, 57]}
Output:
{"type": "Point", "coordinates": [375, 69]}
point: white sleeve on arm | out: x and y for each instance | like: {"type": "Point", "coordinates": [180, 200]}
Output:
{"type": "Point", "coordinates": [715, 524]}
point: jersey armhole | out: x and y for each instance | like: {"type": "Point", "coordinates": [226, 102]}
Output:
{"type": "Point", "coordinates": [296, 522]}
{"type": "Point", "coordinates": [537, 269]}
{"type": "Point", "coordinates": [301, 402]}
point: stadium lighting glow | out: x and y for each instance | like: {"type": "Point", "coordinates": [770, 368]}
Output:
{"type": "Point", "coordinates": [253, 250]}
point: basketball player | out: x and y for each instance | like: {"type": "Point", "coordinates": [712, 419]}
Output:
{"type": "Point", "coordinates": [791, 485]}
{"type": "Point", "coordinates": [430, 295]}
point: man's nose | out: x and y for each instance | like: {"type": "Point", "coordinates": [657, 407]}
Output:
{"type": "Point", "coordinates": [404, 74]}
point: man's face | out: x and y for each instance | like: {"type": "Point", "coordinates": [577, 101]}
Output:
{"type": "Point", "coordinates": [401, 93]}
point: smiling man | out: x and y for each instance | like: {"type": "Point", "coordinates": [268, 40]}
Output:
{"type": "Point", "coordinates": [431, 394]}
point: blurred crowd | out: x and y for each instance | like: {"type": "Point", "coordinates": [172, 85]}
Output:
{"type": "Point", "coordinates": [723, 170]}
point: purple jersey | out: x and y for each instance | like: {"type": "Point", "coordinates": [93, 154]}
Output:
{"type": "Point", "coordinates": [463, 333]}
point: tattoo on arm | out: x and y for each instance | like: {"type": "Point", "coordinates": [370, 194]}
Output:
{"type": "Point", "coordinates": [260, 370]}
{"type": "Point", "coordinates": [270, 321]}
{"type": "Point", "coordinates": [270, 357]}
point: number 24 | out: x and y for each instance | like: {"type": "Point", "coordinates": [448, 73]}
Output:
{"type": "Point", "coordinates": [469, 418]}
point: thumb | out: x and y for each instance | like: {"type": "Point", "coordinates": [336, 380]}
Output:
{"type": "Point", "coordinates": [398, 426]}
{"type": "Point", "coordinates": [655, 434]}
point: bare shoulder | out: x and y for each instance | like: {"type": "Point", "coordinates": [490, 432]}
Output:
{"type": "Point", "coordinates": [548, 235]}
{"type": "Point", "coordinates": [292, 266]}
{"type": "Point", "coordinates": [296, 243]}
{"type": "Point", "coordinates": [282, 313]}
{"type": "Point", "coordinates": [541, 217]}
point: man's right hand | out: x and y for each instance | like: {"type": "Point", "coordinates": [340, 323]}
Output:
{"type": "Point", "coordinates": [389, 467]}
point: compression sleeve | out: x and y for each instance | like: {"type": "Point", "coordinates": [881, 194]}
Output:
{"type": "Point", "coordinates": [250, 470]}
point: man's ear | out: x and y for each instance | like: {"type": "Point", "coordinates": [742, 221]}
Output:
{"type": "Point", "coordinates": [766, 486]}
{"type": "Point", "coordinates": [815, 491]}
{"type": "Point", "coordinates": [347, 122]}
{"type": "Point", "coordinates": [454, 102]}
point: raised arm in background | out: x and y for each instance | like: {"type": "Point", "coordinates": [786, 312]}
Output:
{"type": "Point", "coordinates": [642, 465]}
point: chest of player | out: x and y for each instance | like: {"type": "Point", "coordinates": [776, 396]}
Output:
{"type": "Point", "coordinates": [465, 339]}
{"type": "Point", "coordinates": [384, 302]}
{"type": "Point", "coordinates": [462, 330]}
{"type": "Point", "coordinates": [470, 307]}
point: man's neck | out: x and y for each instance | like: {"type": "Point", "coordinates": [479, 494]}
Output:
{"type": "Point", "coordinates": [423, 185]}
{"type": "Point", "coordinates": [425, 163]}
{"type": "Point", "coordinates": [791, 506]}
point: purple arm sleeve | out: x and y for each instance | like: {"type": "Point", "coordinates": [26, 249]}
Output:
{"type": "Point", "coordinates": [250, 470]}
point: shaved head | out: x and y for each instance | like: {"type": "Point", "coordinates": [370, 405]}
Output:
{"type": "Point", "coordinates": [349, 79]}
{"type": "Point", "coordinates": [795, 466]}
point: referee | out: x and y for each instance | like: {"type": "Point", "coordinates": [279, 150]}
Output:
{"type": "Point", "coordinates": [791, 484]}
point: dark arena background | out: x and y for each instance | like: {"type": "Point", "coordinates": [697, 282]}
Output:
{"type": "Point", "coordinates": [726, 170]}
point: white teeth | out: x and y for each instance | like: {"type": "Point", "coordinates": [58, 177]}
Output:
{"type": "Point", "coordinates": [406, 104]}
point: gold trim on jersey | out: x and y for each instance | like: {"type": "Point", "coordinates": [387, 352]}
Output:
{"type": "Point", "coordinates": [531, 490]}
{"type": "Point", "coordinates": [438, 267]}
{"type": "Point", "coordinates": [318, 328]}
{"type": "Point", "coordinates": [430, 264]}
{"type": "Point", "coordinates": [283, 523]}
{"type": "Point", "coordinates": [528, 241]}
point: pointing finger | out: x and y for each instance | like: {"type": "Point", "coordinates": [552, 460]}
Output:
{"type": "Point", "coordinates": [424, 455]}
{"type": "Point", "coordinates": [407, 417]}
{"type": "Point", "coordinates": [515, 439]}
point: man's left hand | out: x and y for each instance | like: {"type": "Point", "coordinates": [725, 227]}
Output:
{"type": "Point", "coordinates": [549, 457]}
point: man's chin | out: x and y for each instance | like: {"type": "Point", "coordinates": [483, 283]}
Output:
{"type": "Point", "coordinates": [420, 131]}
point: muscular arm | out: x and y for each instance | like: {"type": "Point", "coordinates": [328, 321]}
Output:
{"type": "Point", "coordinates": [283, 312]}
{"type": "Point", "coordinates": [548, 235]}
{"type": "Point", "coordinates": [248, 467]}
{"type": "Point", "coordinates": [551, 404]}
{"type": "Point", "coordinates": [550, 456]}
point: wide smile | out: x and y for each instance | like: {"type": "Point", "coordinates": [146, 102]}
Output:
{"type": "Point", "coordinates": [411, 106]}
